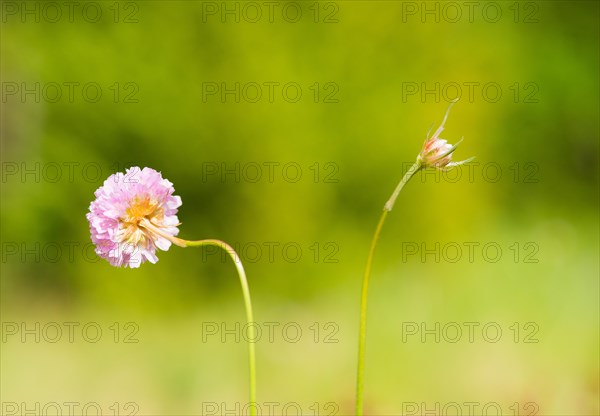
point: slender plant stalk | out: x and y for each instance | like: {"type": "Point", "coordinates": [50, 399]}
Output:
{"type": "Point", "coordinates": [362, 336]}
{"type": "Point", "coordinates": [249, 315]}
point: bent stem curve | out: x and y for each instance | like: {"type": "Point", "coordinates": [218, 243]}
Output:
{"type": "Point", "coordinates": [247, 301]}
{"type": "Point", "coordinates": [362, 333]}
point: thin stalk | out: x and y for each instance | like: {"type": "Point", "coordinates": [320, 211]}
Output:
{"type": "Point", "coordinates": [247, 301]}
{"type": "Point", "coordinates": [362, 333]}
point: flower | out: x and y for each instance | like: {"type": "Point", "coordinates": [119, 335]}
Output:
{"type": "Point", "coordinates": [437, 152]}
{"type": "Point", "coordinates": [133, 214]}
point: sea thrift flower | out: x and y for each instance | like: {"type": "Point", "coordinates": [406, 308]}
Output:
{"type": "Point", "coordinates": [134, 214]}
{"type": "Point", "coordinates": [437, 152]}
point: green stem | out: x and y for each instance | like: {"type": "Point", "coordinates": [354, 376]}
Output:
{"type": "Point", "coordinates": [249, 315]}
{"type": "Point", "coordinates": [245, 290]}
{"type": "Point", "coordinates": [417, 166]}
{"type": "Point", "coordinates": [362, 333]}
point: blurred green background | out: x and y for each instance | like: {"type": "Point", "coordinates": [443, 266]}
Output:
{"type": "Point", "coordinates": [373, 76]}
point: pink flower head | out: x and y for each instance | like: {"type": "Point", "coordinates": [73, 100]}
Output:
{"type": "Point", "coordinates": [437, 152]}
{"type": "Point", "coordinates": [133, 214]}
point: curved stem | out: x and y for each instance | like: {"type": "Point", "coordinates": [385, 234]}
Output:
{"type": "Point", "coordinates": [362, 333]}
{"type": "Point", "coordinates": [417, 166]}
{"type": "Point", "coordinates": [247, 301]}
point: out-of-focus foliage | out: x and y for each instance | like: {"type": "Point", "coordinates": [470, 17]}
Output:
{"type": "Point", "coordinates": [532, 191]}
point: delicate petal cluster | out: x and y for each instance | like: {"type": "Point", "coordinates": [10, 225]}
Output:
{"type": "Point", "coordinates": [437, 152]}
{"type": "Point", "coordinates": [134, 213]}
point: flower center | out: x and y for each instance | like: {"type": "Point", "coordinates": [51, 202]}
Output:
{"type": "Point", "coordinates": [144, 208]}
{"type": "Point", "coordinates": [143, 217]}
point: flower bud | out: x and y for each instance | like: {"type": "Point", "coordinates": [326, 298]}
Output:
{"type": "Point", "coordinates": [437, 152]}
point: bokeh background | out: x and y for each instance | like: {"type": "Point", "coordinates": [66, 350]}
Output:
{"type": "Point", "coordinates": [373, 77]}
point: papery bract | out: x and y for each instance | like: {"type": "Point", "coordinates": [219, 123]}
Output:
{"type": "Point", "coordinates": [437, 152]}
